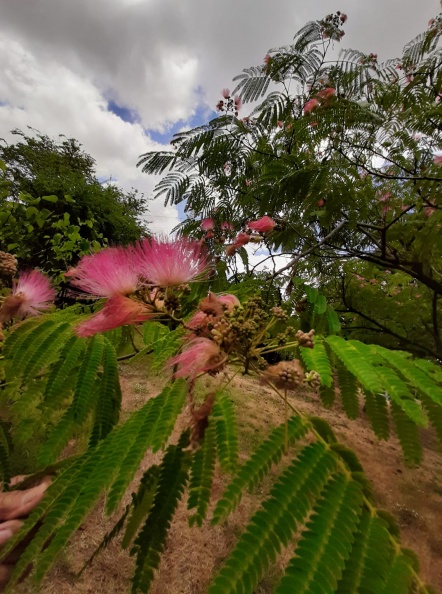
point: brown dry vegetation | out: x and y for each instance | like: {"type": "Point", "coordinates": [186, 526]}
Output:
{"type": "Point", "coordinates": [414, 496]}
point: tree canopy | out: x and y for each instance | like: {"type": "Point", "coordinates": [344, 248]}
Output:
{"type": "Point", "coordinates": [53, 207]}
{"type": "Point", "coordinates": [343, 154]}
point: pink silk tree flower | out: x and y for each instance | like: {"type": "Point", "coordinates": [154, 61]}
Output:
{"type": "Point", "coordinates": [229, 301]}
{"type": "Point", "coordinates": [241, 239]}
{"type": "Point", "coordinates": [262, 225]}
{"type": "Point", "coordinates": [225, 226]}
{"type": "Point", "coordinates": [437, 160]}
{"type": "Point", "coordinates": [238, 102]}
{"type": "Point", "coordinates": [207, 224]}
{"type": "Point", "coordinates": [311, 105]}
{"type": "Point", "coordinates": [165, 262]}
{"type": "Point", "coordinates": [325, 94]}
{"type": "Point", "coordinates": [201, 356]}
{"type": "Point", "coordinates": [225, 93]}
{"type": "Point", "coordinates": [107, 273]}
{"type": "Point", "coordinates": [31, 294]}
{"type": "Point", "coordinates": [117, 311]}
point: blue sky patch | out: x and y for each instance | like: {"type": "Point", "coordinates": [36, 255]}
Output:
{"type": "Point", "coordinates": [126, 114]}
{"type": "Point", "coordinates": [200, 117]}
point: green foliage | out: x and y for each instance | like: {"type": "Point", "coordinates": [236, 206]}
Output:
{"type": "Point", "coordinates": [151, 539]}
{"type": "Point", "coordinates": [226, 432]}
{"type": "Point", "coordinates": [201, 477]}
{"type": "Point", "coordinates": [53, 208]}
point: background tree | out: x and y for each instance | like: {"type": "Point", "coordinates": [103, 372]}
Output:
{"type": "Point", "coordinates": [341, 153]}
{"type": "Point", "coordinates": [54, 209]}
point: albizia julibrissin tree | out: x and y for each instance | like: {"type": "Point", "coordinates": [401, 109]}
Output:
{"type": "Point", "coordinates": [344, 155]}
{"type": "Point", "coordinates": [165, 300]}
{"type": "Point", "coordinates": [61, 383]}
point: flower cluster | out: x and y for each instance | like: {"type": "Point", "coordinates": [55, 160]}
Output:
{"type": "Point", "coordinates": [229, 103]}
{"type": "Point", "coordinates": [254, 232]}
{"type": "Point", "coordinates": [369, 60]}
{"type": "Point", "coordinates": [322, 99]}
{"type": "Point", "coordinates": [122, 275]}
{"type": "Point", "coordinates": [30, 295]}
{"type": "Point", "coordinates": [331, 25]}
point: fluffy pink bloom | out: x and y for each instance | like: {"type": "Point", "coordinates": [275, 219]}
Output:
{"type": "Point", "coordinates": [107, 273]}
{"type": "Point", "coordinates": [238, 102]}
{"type": "Point", "coordinates": [197, 321]}
{"type": "Point", "coordinates": [117, 311]}
{"type": "Point", "coordinates": [201, 356]}
{"type": "Point", "coordinates": [437, 160]}
{"type": "Point", "coordinates": [267, 59]}
{"type": "Point", "coordinates": [229, 301]}
{"type": "Point", "coordinates": [343, 17]}
{"type": "Point", "coordinates": [165, 262]}
{"type": "Point", "coordinates": [207, 224]}
{"type": "Point", "coordinates": [225, 93]}
{"type": "Point", "coordinates": [325, 94]}
{"type": "Point", "coordinates": [385, 197]}
{"type": "Point", "coordinates": [262, 225]}
{"type": "Point", "coordinates": [241, 239]}
{"type": "Point", "coordinates": [311, 105]}
{"type": "Point", "coordinates": [31, 294]}
{"type": "Point", "coordinates": [226, 226]}
{"type": "Point", "coordinates": [231, 249]}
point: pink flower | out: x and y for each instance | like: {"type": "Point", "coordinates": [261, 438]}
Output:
{"type": "Point", "coordinates": [117, 311]}
{"type": "Point", "coordinates": [225, 226]}
{"type": "Point", "coordinates": [166, 262]}
{"type": "Point", "coordinates": [267, 59]}
{"type": "Point", "coordinates": [198, 321]}
{"type": "Point", "coordinates": [280, 124]}
{"type": "Point", "coordinates": [311, 105]}
{"type": "Point", "coordinates": [262, 225]}
{"type": "Point", "coordinates": [437, 160]}
{"type": "Point", "coordinates": [248, 182]}
{"type": "Point", "coordinates": [201, 356]}
{"type": "Point", "coordinates": [106, 273]}
{"type": "Point", "coordinates": [225, 93]}
{"type": "Point", "coordinates": [325, 94]}
{"type": "Point", "coordinates": [343, 17]}
{"type": "Point", "coordinates": [238, 102]}
{"type": "Point", "coordinates": [229, 301]}
{"type": "Point", "coordinates": [231, 249]}
{"type": "Point", "coordinates": [31, 294]}
{"type": "Point", "coordinates": [207, 224]}
{"type": "Point", "coordinates": [385, 197]}
{"type": "Point", "coordinates": [241, 239]}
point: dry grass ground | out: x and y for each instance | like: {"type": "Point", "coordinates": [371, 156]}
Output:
{"type": "Point", "coordinates": [414, 496]}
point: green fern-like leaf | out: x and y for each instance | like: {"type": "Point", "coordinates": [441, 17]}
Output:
{"type": "Point", "coordinates": [86, 378]}
{"type": "Point", "coordinates": [434, 414]}
{"type": "Point", "coordinates": [30, 338]}
{"type": "Point", "coordinates": [399, 393]}
{"type": "Point", "coordinates": [273, 526]}
{"type": "Point", "coordinates": [350, 356]}
{"type": "Point", "coordinates": [107, 410]}
{"type": "Point", "coordinates": [226, 431]}
{"type": "Point", "coordinates": [417, 378]}
{"type": "Point", "coordinates": [369, 561]}
{"type": "Point", "coordinates": [376, 409]}
{"type": "Point", "coordinates": [327, 541]}
{"type": "Point", "coordinates": [159, 418]}
{"type": "Point", "coordinates": [348, 386]}
{"type": "Point", "coordinates": [173, 404]}
{"type": "Point", "coordinates": [201, 477]}
{"type": "Point", "coordinates": [60, 370]}
{"type": "Point", "coordinates": [316, 359]}
{"type": "Point", "coordinates": [46, 351]}
{"type": "Point", "coordinates": [269, 452]}
{"type": "Point", "coordinates": [150, 541]}
{"type": "Point", "coordinates": [327, 396]}
{"type": "Point", "coordinates": [408, 434]}
{"type": "Point", "coordinates": [5, 462]}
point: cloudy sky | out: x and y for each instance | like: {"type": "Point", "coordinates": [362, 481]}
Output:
{"type": "Point", "coordinates": [122, 76]}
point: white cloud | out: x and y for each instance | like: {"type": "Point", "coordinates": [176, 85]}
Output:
{"type": "Point", "coordinates": [63, 60]}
